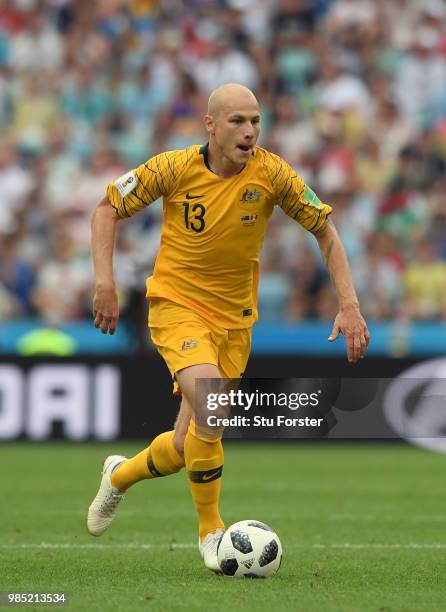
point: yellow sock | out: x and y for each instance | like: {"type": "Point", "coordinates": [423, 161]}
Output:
{"type": "Point", "coordinates": [160, 459]}
{"type": "Point", "coordinates": [204, 463]}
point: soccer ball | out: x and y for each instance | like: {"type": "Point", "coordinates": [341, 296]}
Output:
{"type": "Point", "coordinates": [249, 549]}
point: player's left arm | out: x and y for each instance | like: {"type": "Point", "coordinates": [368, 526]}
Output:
{"type": "Point", "coordinates": [349, 320]}
{"type": "Point", "coordinates": [300, 203]}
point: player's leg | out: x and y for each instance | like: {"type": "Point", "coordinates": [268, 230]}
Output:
{"type": "Point", "coordinates": [205, 475]}
{"type": "Point", "coordinates": [169, 326]}
{"type": "Point", "coordinates": [163, 457]}
{"type": "Point", "coordinates": [182, 425]}
{"type": "Point", "coordinates": [203, 453]}
{"type": "Point", "coordinates": [159, 459]}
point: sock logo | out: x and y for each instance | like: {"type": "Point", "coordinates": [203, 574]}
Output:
{"type": "Point", "coordinates": [206, 475]}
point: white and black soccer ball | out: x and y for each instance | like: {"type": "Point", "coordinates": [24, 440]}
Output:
{"type": "Point", "coordinates": [249, 549]}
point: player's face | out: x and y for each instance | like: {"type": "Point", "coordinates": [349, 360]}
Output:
{"type": "Point", "coordinates": [236, 130]}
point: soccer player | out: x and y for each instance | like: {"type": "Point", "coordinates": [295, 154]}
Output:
{"type": "Point", "coordinates": [217, 200]}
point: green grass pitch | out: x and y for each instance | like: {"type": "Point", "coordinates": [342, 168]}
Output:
{"type": "Point", "coordinates": [362, 526]}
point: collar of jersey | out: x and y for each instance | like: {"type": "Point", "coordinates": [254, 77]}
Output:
{"type": "Point", "coordinates": [204, 151]}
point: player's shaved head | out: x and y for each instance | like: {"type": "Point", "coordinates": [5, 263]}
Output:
{"type": "Point", "coordinates": [228, 97]}
{"type": "Point", "coordinates": [233, 125]}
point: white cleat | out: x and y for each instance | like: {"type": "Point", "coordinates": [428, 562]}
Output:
{"type": "Point", "coordinates": [208, 550]}
{"type": "Point", "coordinates": [103, 508]}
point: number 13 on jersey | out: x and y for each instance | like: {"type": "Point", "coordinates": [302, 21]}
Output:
{"type": "Point", "coordinates": [194, 216]}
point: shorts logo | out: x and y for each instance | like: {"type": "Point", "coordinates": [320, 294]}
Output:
{"type": "Point", "coordinates": [126, 183]}
{"type": "Point", "coordinates": [189, 344]}
{"type": "Point", "coordinates": [249, 220]}
{"type": "Point", "coordinates": [251, 196]}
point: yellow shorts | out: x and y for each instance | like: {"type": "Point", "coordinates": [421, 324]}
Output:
{"type": "Point", "coordinates": [183, 338]}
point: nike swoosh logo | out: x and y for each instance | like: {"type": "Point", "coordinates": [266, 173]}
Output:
{"type": "Point", "coordinates": [209, 476]}
{"type": "Point", "coordinates": [206, 476]}
{"type": "Point", "coordinates": [193, 197]}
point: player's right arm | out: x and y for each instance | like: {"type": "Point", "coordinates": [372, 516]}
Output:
{"type": "Point", "coordinates": [105, 301]}
{"type": "Point", "coordinates": [126, 196]}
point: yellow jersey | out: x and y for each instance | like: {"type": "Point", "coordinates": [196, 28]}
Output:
{"type": "Point", "coordinates": [214, 227]}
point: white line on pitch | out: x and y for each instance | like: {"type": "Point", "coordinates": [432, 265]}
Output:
{"type": "Point", "coordinates": [437, 518]}
{"type": "Point", "coordinates": [409, 545]}
{"type": "Point", "coordinates": [56, 545]}
{"type": "Point", "coordinates": [383, 517]}
{"type": "Point", "coordinates": [173, 546]}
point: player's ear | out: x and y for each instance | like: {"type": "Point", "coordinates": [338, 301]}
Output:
{"type": "Point", "coordinates": [209, 124]}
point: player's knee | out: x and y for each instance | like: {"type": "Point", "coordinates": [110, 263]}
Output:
{"type": "Point", "coordinates": [196, 381]}
{"type": "Point", "coordinates": [204, 432]}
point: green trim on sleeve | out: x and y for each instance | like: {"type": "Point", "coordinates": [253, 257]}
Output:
{"type": "Point", "coordinates": [311, 198]}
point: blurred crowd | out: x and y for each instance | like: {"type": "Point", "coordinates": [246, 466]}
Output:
{"type": "Point", "coordinates": [353, 96]}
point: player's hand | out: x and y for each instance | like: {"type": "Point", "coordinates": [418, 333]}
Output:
{"type": "Point", "coordinates": [106, 309]}
{"type": "Point", "coordinates": [350, 322]}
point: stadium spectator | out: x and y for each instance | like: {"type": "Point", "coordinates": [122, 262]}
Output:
{"type": "Point", "coordinates": [353, 96]}
{"type": "Point", "coordinates": [37, 46]}
{"type": "Point", "coordinates": [425, 283]}
{"type": "Point", "coordinates": [16, 184]}
{"type": "Point", "coordinates": [17, 279]}
{"type": "Point", "coordinates": [221, 61]}
{"type": "Point", "coordinates": [419, 78]}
